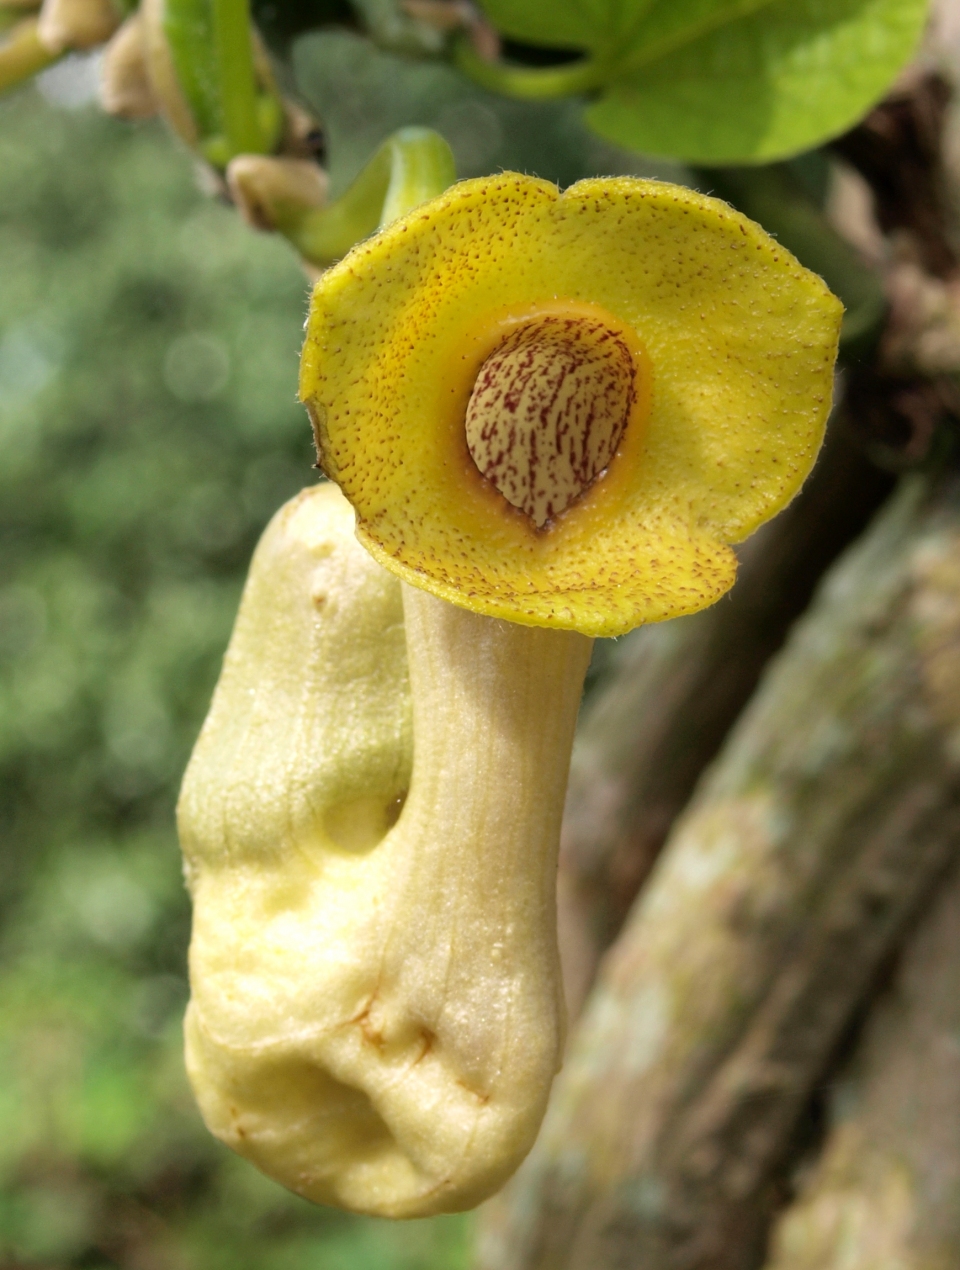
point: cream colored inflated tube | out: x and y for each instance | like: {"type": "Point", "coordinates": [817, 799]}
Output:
{"type": "Point", "coordinates": [376, 1013]}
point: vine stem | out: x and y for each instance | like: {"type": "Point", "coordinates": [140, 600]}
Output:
{"type": "Point", "coordinates": [527, 82]}
{"type": "Point", "coordinates": [236, 77]}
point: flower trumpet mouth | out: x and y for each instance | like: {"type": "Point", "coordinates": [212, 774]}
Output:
{"type": "Point", "coordinates": [562, 409]}
{"type": "Point", "coordinates": [558, 410]}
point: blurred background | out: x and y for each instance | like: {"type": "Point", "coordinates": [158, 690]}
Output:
{"type": "Point", "coordinates": [149, 347]}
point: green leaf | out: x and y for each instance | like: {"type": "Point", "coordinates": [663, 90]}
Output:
{"type": "Point", "coordinates": [711, 81]}
{"type": "Point", "coordinates": [618, 34]}
{"type": "Point", "coordinates": [782, 80]}
{"type": "Point", "coordinates": [670, 24]}
{"type": "Point", "coordinates": [596, 25]}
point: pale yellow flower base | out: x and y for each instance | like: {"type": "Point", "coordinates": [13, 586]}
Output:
{"type": "Point", "coordinates": [376, 1014]}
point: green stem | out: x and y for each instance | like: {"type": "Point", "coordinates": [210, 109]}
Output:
{"type": "Point", "coordinates": [22, 55]}
{"type": "Point", "coordinates": [236, 77]}
{"type": "Point", "coordinates": [527, 82]}
{"type": "Point", "coordinates": [189, 37]}
{"type": "Point", "coordinates": [412, 166]}
{"type": "Point", "coordinates": [772, 196]}
{"type": "Point", "coordinates": [210, 43]}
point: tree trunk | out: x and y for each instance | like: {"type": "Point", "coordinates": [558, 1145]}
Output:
{"type": "Point", "coordinates": [885, 1195]}
{"type": "Point", "coordinates": [831, 813]}
{"type": "Point", "coordinates": [661, 712]}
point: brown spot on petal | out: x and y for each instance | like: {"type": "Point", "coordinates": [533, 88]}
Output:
{"type": "Point", "coordinates": [548, 410]}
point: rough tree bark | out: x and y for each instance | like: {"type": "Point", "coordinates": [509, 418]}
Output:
{"type": "Point", "coordinates": [829, 816]}
{"type": "Point", "coordinates": [885, 1195]}
{"type": "Point", "coordinates": [661, 712]}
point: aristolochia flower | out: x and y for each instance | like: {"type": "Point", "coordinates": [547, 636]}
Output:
{"type": "Point", "coordinates": [561, 408]}
{"type": "Point", "coordinates": [558, 409]}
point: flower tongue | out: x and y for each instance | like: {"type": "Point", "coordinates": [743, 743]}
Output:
{"type": "Point", "coordinates": [548, 410]}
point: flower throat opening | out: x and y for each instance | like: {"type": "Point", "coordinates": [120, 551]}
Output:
{"type": "Point", "coordinates": [548, 411]}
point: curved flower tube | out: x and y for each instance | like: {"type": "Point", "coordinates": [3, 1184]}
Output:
{"type": "Point", "coordinates": [358, 1028]}
{"type": "Point", "coordinates": [554, 409]}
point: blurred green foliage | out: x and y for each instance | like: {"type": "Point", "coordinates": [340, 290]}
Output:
{"type": "Point", "coordinates": [148, 429]}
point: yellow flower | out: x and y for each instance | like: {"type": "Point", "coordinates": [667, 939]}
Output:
{"type": "Point", "coordinates": [562, 408]}
{"type": "Point", "coordinates": [556, 409]}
